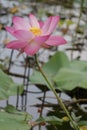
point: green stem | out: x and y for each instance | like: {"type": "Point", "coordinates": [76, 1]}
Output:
{"type": "Point", "coordinates": [57, 96]}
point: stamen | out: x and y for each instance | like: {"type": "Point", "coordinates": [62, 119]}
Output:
{"type": "Point", "coordinates": [36, 31]}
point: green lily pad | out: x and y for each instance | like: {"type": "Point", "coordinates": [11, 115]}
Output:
{"type": "Point", "coordinates": [8, 87]}
{"type": "Point", "coordinates": [10, 121]}
{"type": "Point", "coordinates": [62, 73]}
{"type": "Point", "coordinates": [68, 79]}
{"type": "Point", "coordinates": [50, 69]}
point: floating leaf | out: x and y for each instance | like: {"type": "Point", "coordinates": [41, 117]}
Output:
{"type": "Point", "coordinates": [68, 79]}
{"type": "Point", "coordinates": [37, 78]}
{"type": "Point", "coordinates": [56, 62]}
{"type": "Point", "coordinates": [8, 87]}
{"type": "Point", "coordinates": [62, 73]}
{"type": "Point", "coordinates": [79, 65]}
{"type": "Point", "coordinates": [11, 109]}
{"type": "Point", "coordinates": [9, 121]}
{"type": "Point", "coordinates": [50, 68]}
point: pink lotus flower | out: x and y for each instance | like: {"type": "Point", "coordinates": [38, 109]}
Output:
{"type": "Point", "coordinates": [32, 35]}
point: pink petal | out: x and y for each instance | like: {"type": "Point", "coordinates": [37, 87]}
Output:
{"type": "Point", "coordinates": [41, 24]}
{"type": "Point", "coordinates": [10, 29]}
{"type": "Point", "coordinates": [41, 39]}
{"type": "Point", "coordinates": [32, 48]}
{"type": "Point", "coordinates": [46, 25]}
{"type": "Point", "coordinates": [16, 44]}
{"type": "Point", "coordinates": [23, 35]}
{"type": "Point", "coordinates": [50, 25]}
{"type": "Point", "coordinates": [21, 23]}
{"type": "Point", "coordinates": [55, 41]}
{"type": "Point", "coordinates": [33, 21]}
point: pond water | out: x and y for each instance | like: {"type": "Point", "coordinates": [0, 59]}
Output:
{"type": "Point", "coordinates": [13, 8]}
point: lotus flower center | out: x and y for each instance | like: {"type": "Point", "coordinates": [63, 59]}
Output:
{"type": "Point", "coordinates": [36, 31]}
